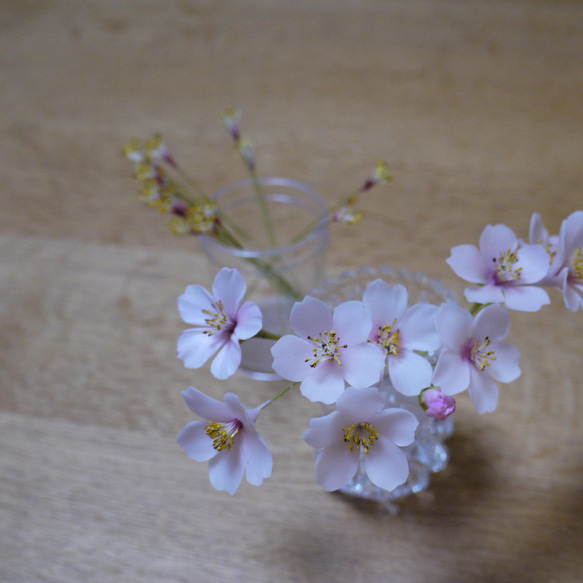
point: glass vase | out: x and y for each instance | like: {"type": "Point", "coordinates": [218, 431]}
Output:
{"type": "Point", "coordinates": [428, 452]}
{"type": "Point", "coordinates": [279, 267]}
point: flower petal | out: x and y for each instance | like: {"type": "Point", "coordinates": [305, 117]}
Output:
{"type": "Point", "coordinates": [195, 347]}
{"type": "Point", "coordinates": [409, 372]}
{"type": "Point", "coordinates": [386, 465]}
{"type": "Point", "coordinates": [310, 317]}
{"type": "Point", "coordinates": [226, 469]}
{"type": "Point", "coordinates": [487, 294]}
{"type": "Point", "coordinates": [289, 358]}
{"type": "Point", "coordinates": [195, 441]}
{"type": "Point", "coordinates": [453, 325]}
{"type": "Point", "coordinates": [205, 406]}
{"type": "Point", "coordinates": [227, 361]}
{"type": "Point", "coordinates": [467, 263]}
{"type": "Point", "coordinates": [324, 431]}
{"type": "Point", "coordinates": [483, 391]}
{"type": "Point", "coordinates": [526, 298]}
{"type": "Point", "coordinates": [492, 322]}
{"type": "Point", "coordinates": [534, 263]}
{"type": "Point", "coordinates": [418, 328]}
{"type": "Point", "coordinates": [398, 425]}
{"type": "Point", "coordinates": [387, 303]}
{"type": "Point", "coordinates": [452, 373]}
{"type": "Point", "coordinates": [495, 239]}
{"type": "Point", "coordinates": [229, 287]}
{"type": "Point", "coordinates": [336, 466]}
{"type": "Point", "coordinates": [192, 303]}
{"type": "Point", "coordinates": [249, 321]}
{"type": "Point", "coordinates": [258, 458]}
{"type": "Point", "coordinates": [505, 368]}
{"type": "Point", "coordinates": [324, 384]}
{"type": "Point", "coordinates": [362, 365]}
{"type": "Point", "coordinates": [352, 321]}
{"type": "Point", "coordinates": [360, 404]}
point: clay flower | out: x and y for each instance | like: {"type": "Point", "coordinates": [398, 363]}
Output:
{"type": "Point", "coordinates": [328, 349]}
{"type": "Point", "coordinates": [399, 332]}
{"type": "Point", "coordinates": [220, 320]}
{"type": "Point", "coordinates": [568, 265]}
{"type": "Point", "coordinates": [474, 355]}
{"type": "Point", "coordinates": [227, 438]}
{"type": "Point", "coordinates": [436, 404]}
{"type": "Point", "coordinates": [504, 268]}
{"type": "Point", "coordinates": [360, 423]}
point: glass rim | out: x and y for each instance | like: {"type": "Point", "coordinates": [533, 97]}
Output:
{"type": "Point", "coordinates": [319, 232]}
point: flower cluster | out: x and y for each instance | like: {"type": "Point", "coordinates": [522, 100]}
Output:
{"type": "Point", "coordinates": [337, 356]}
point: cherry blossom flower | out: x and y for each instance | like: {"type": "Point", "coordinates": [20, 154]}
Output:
{"type": "Point", "coordinates": [361, 424]}
{"type": "Point", "coordinates": [474, 356]}
{"type": "Point", "coordinates": [399, 332]}
{"type": "Point", "coordinates": [436, 404]}
{"type": "Point", "coordinates": [567, 269]}
{"type": "Point", "coordinates": [539, 235]}
{"type": "Point", "coordinates": [220, 320]}
{"type": "Point", "coordinates": [227, 438]}
{"type": "Point", "coordinates": [504, 268]}
{"type": "Point", "coordinates": [328, 349]}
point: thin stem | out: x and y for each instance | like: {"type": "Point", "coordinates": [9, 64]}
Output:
{"type": "Point", "coordinates": [265, 334]}
{"type": "Point", "coordinates": [477, 307]}
{"type": "Point", "coordinates": [281, 394]}
{"type": "Point", "coordinates": [263, 208]}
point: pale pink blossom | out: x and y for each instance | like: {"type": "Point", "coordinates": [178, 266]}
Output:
{"type": "Point", "coordinates": [361, 424]}
{"type": "Point", "coordinates": [399, 332]}
{"type": "Point", "coordinates": [226, 436]}
{"type": "Point", "coordinates": [474, 356]}
{"type": "Point", "coordinates": [504, 269]}
{"type": "Point", "coordinates": [221, 322]}
{"type": "Point", "coordinates": [437, 404]}
{"type": "Point", "coordinates": [567, 268]}
{"type": "Point", "coordinates": [328, 349]}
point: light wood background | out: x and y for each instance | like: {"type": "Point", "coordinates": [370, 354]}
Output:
{"type": "Point", "coordinates": [477, 106]}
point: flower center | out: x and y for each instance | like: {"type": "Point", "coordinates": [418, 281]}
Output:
{"type": "Point", "coordinates": [578, 263]}
{"type": "Point", "coordinates": [216, 320]}
{"type": "Point", "coordinates": [326, 348]}
{"type": "Point", "coordinates": [223, 434]}
{"type": "Point", "coordinates": [360, 434]}
{"type": "Point", "coordinates": [390, 340]}
{"type": "Point", "coordinates": [480, 355]}
{"type": "Point", "coordinates": [505, 266]}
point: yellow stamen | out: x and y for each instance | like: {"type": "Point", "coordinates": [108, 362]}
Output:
{"type": "Point", "coordinates": [223, 434]}
{"type": "Point", "coordinates": [390, 340]}
{"type": "Point", "coordinates": [578, 263]}
{"type": "Point", "coordinates": [505, 266]}
{"type": "Point", "coordinates": [217, 319]}
{"type": "Point", "coordinates": [480, 356]}
{"type": "Point", "coordinates": [360, 434]}
{"type": "Point", "coordinates": [327, 348]}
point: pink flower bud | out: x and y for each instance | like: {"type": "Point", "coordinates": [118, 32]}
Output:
{"type": "Point", "coordinates": [436, 404]}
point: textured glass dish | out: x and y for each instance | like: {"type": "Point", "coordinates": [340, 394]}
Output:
{"type": "Point", "coordinates": [427, 454]}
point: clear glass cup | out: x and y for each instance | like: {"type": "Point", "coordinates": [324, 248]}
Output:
{"type": "Point", "coordinates": [280, 270]}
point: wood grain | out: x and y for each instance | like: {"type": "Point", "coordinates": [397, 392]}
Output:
{"type": "Point", "coordinates": [477, 107]}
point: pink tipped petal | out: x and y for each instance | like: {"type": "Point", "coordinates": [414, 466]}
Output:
{"type": "Point", "coordinates": [483, 391]}
{"type": "Point", "coordinates": [353, 322]}
{"type": "Point", "coordinates": [325, 384]}
{"type": "Point", "coordinates": [418, 328]}
{"type": "Point", "coordinates": [452, 373]}
{"type": "Point", "coordinates": [196, 443]}
{"type": "Point", "coordinates": [227, 361]}
{"type": "Point", "coordinates": [534, 261]}
{"type": "Point", "coordinates": [409, 372]}
{"type": "Point", "coordinates": [289, 358]}
{"type": "Point", "coordinates": [453, 325]}
{"type": "Point", "coordinates": [487, 294]}
{"type": "Point", "coordinates": [324, 431]}
{"type": "Point", "coordinates": [195, 348]}
{"type": "Point", "coordinates": [386, 465]}
{"type": "Point", "coordinates": [493, 322]}
{"type": "Point", "coordinates": [467, 263]}
{"type": "Point", "coordinates": [249, 321]}
{"type": "Point", "coordinates": [336, 466]}
{"type": "Point", "coordinates": [362, 365]}
{"type": "Point", "coordinates": [496, 239]}
{"type": "Point", "coordinates": [526, 298]}
{"type": "Point", "coordinates": [360, 404]}
{"type": "Point", "coordinates": [192, 303]}
{"type": "Point", "coordinates": [310, 317]}
{"type": "Point", "coordinates": [227, 468]}
{"type": "Point", "coordinates": [259, 459]}
{"type": "Point", "coordinates": [398, 425]}
{"type": "Point", "coordinates": [387, 303]}
{"type": "Point", "coordinates": [230, 287]}
{"type": "Point", "coordinates": [205, 406]}
{"type": "Point", "coordinates": [505, 368]}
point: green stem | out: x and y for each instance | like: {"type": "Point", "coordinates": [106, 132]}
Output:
{"type": "Point", "coordinates": [477, 307]}
{"type": "Point", "coordinates": [264, 209]}
{"type": "Point", "coordinates": [281, 394]}
{"type": "Point", "coordinates": [265, 334]}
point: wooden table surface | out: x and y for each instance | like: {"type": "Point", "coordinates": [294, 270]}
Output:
{"type": "Point", "coordinates": [477, 107]}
